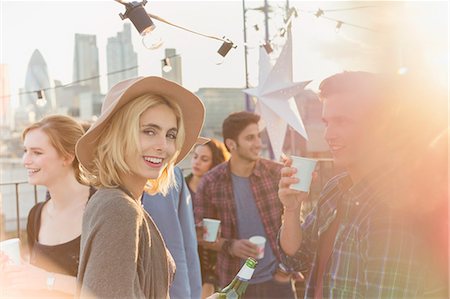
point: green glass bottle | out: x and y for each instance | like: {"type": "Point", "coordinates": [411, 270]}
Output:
{"type": "Point", "coordinates": [236, 289]}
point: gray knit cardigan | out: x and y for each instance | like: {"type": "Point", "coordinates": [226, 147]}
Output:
{"type": "Point", "coordinates": [122, 252]}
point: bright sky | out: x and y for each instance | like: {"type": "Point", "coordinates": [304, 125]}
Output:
{"type": "Point", "coordinates": [421, 27]}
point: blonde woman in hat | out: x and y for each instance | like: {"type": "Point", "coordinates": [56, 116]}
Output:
{"type": "Point", "coordinates": [146, 126]}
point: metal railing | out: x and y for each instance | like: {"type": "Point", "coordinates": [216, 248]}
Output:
{"type": "Point", "coordinates": [325, 169]}
{"type": "Point", "coordinates": [17, 198]}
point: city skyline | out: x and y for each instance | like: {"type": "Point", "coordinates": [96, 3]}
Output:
{"type": "Point", "coordinates": [318, 50]}
{"type": "Point", "coordinates": [120, 55]}
{"type": "Point", "coordinates": [86, 61]}
{"type": "Point", "coordinates": [379, 35]}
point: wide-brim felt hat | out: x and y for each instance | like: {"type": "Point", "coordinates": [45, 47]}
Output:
{"type": "Point", "coordinates": [192, 109]}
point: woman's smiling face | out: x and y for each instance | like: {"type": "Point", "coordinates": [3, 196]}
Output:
{"type": "Point", "coordinates": [157, 135]}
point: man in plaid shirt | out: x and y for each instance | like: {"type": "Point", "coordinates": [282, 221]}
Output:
{"type": "Point", "coordinates": [356, 243]}
{"type": "Point", "coordinates": [243, 194]}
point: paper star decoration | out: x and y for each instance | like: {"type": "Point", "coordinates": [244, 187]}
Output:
{"type": "Point", "coordinates": [275, 97]}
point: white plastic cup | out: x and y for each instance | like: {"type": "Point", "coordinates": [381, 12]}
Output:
{"type": "Point", "coordinates": [305, 168]}
{"type": "Point", "coordinates": [11, 248]}
{"type": "Point", "coordinates": [211, 227]}
{"type": "Point", "coordinates": [259, 241]}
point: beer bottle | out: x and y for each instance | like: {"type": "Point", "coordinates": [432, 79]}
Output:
{"type": "Point", "coordinates": [236, 289]}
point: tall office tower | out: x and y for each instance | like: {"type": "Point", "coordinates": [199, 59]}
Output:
{"type": "Point", "coordinates": [85, 61]}
{"type": "Point", "coordinates": [219, 102]}
{"type": "Point", "coordinates": [175, 62]}
{"type": "Point", "coordinates": [120, 56]}
{"type": "Point", "coordinates": [5, 104]}
{"type": "Point", "coordinates": [38, 79]}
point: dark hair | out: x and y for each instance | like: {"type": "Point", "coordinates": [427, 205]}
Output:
{"type": "Point", "coordinates": [350, 82]}
{"type": "Point", "coordinates": [236, 122]}
{"type": "Point", "coordinates": [218, 151]}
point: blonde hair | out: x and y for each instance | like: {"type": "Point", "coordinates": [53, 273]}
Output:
{"type": "Point", "coordinates": [121, 138]}
{"type": "Point", "coordinates": [63, 132]}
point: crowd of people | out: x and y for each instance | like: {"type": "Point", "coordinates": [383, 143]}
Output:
{"type": "Point", "coordinates": [121, 220]}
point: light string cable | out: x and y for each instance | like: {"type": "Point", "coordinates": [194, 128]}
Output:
{"type": "Point", "coordinates": [351, 8]}
{"type": "Point", "coordinates": [293, 13]}
{"type": "Point", "coordinates": [319, 13]}
{"type": "Point", "coordinates": [156, 17]}
{"type": "Point", "coordinates": [71, 83]}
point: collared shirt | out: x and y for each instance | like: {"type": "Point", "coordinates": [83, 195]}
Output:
{"type": "Point", "coordinates": [215, 199]}
{"type": "Point", "coordinates": [374, 253]}
{"type": "Point", "coordinates": [174, 217]}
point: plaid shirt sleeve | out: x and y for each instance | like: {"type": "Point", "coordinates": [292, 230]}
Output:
{"type": "Point", "coordinates": [392, 266]}
{"type": "Point", "coordinates": [303, 258]}
{"type": "Point", "coordinates": [203, 207]}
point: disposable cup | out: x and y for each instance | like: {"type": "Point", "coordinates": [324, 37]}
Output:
{"type": "Point", "coordinates": [211, 227]}
{"type": "Point", "coordinates": [259, 241]}
{"type": "Point", "coordinates": [11, 248]}
{"type": "Point", "coordinates": [305, 168]}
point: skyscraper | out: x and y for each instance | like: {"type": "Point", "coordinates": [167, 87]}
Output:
{"type": "Point", "coordinates": [120, 55]}
{"type": "Point", "coordinates": [85, 61]}
{"type": "Point", "coordinates": [37, 78]}
{"type": "Point", "coordinates": [219, 102]}
{"type": "Point", "coordinates": [5, 95]}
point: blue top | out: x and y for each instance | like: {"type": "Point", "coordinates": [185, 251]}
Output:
{"type": "Point", "coordinates": [250, 224]}
{"type": "Point", "coordinates": [174, 217]}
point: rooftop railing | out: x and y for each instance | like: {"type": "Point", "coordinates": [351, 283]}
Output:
{"type": "Point", "coordinates": [17, 199]}
{"type": "Point", "coordinates": [324, 169]}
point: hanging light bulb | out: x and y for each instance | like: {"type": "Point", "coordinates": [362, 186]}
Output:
{"type": "Point", "coordinates": [135, 11]}
{"type": "Point", "coordinates": [318, 13]}
{"type": "Point", "coordinates": [166, 66]}
{"type": "Point", "coordinates": [268, 47]}
{"type": "Point", "coordinates": [293, 11]}
{"type": "Point", "coordinates": [338, 26]}
{"type": "Point", "coordinates": [223, 50]}
{"type": "Point", "coordinates": [152, 40]}
{"type": "Point", "coordinates": [41, 101]}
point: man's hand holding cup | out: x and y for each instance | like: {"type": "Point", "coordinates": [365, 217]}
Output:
{"type": "Point", "coordinates": [295, 182]}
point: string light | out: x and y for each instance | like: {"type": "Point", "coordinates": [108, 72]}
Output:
{"type": "Point", "coordinates": [186, 29]}
{"type": "Point", "coordinates": [167, 67]}
{"type": "Point", "coordinates": [135, 11]}
{"type": "Point", "coordinates": [69, 84]}
{"type": "Point", "coordinates": [293, 13]}
{"type": "Point", "coordinates": [351, 8]}
{"type": "Point", "coordinates": [41, 101]}
{"type": "Point", "coordinates": [319, 13]}
{"type": "Point", "coordinates": [226, 46]}
{"type": "Point", "coordinates": [338, 26]}
{"type": "Point", "coordinates": [268, 47]}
